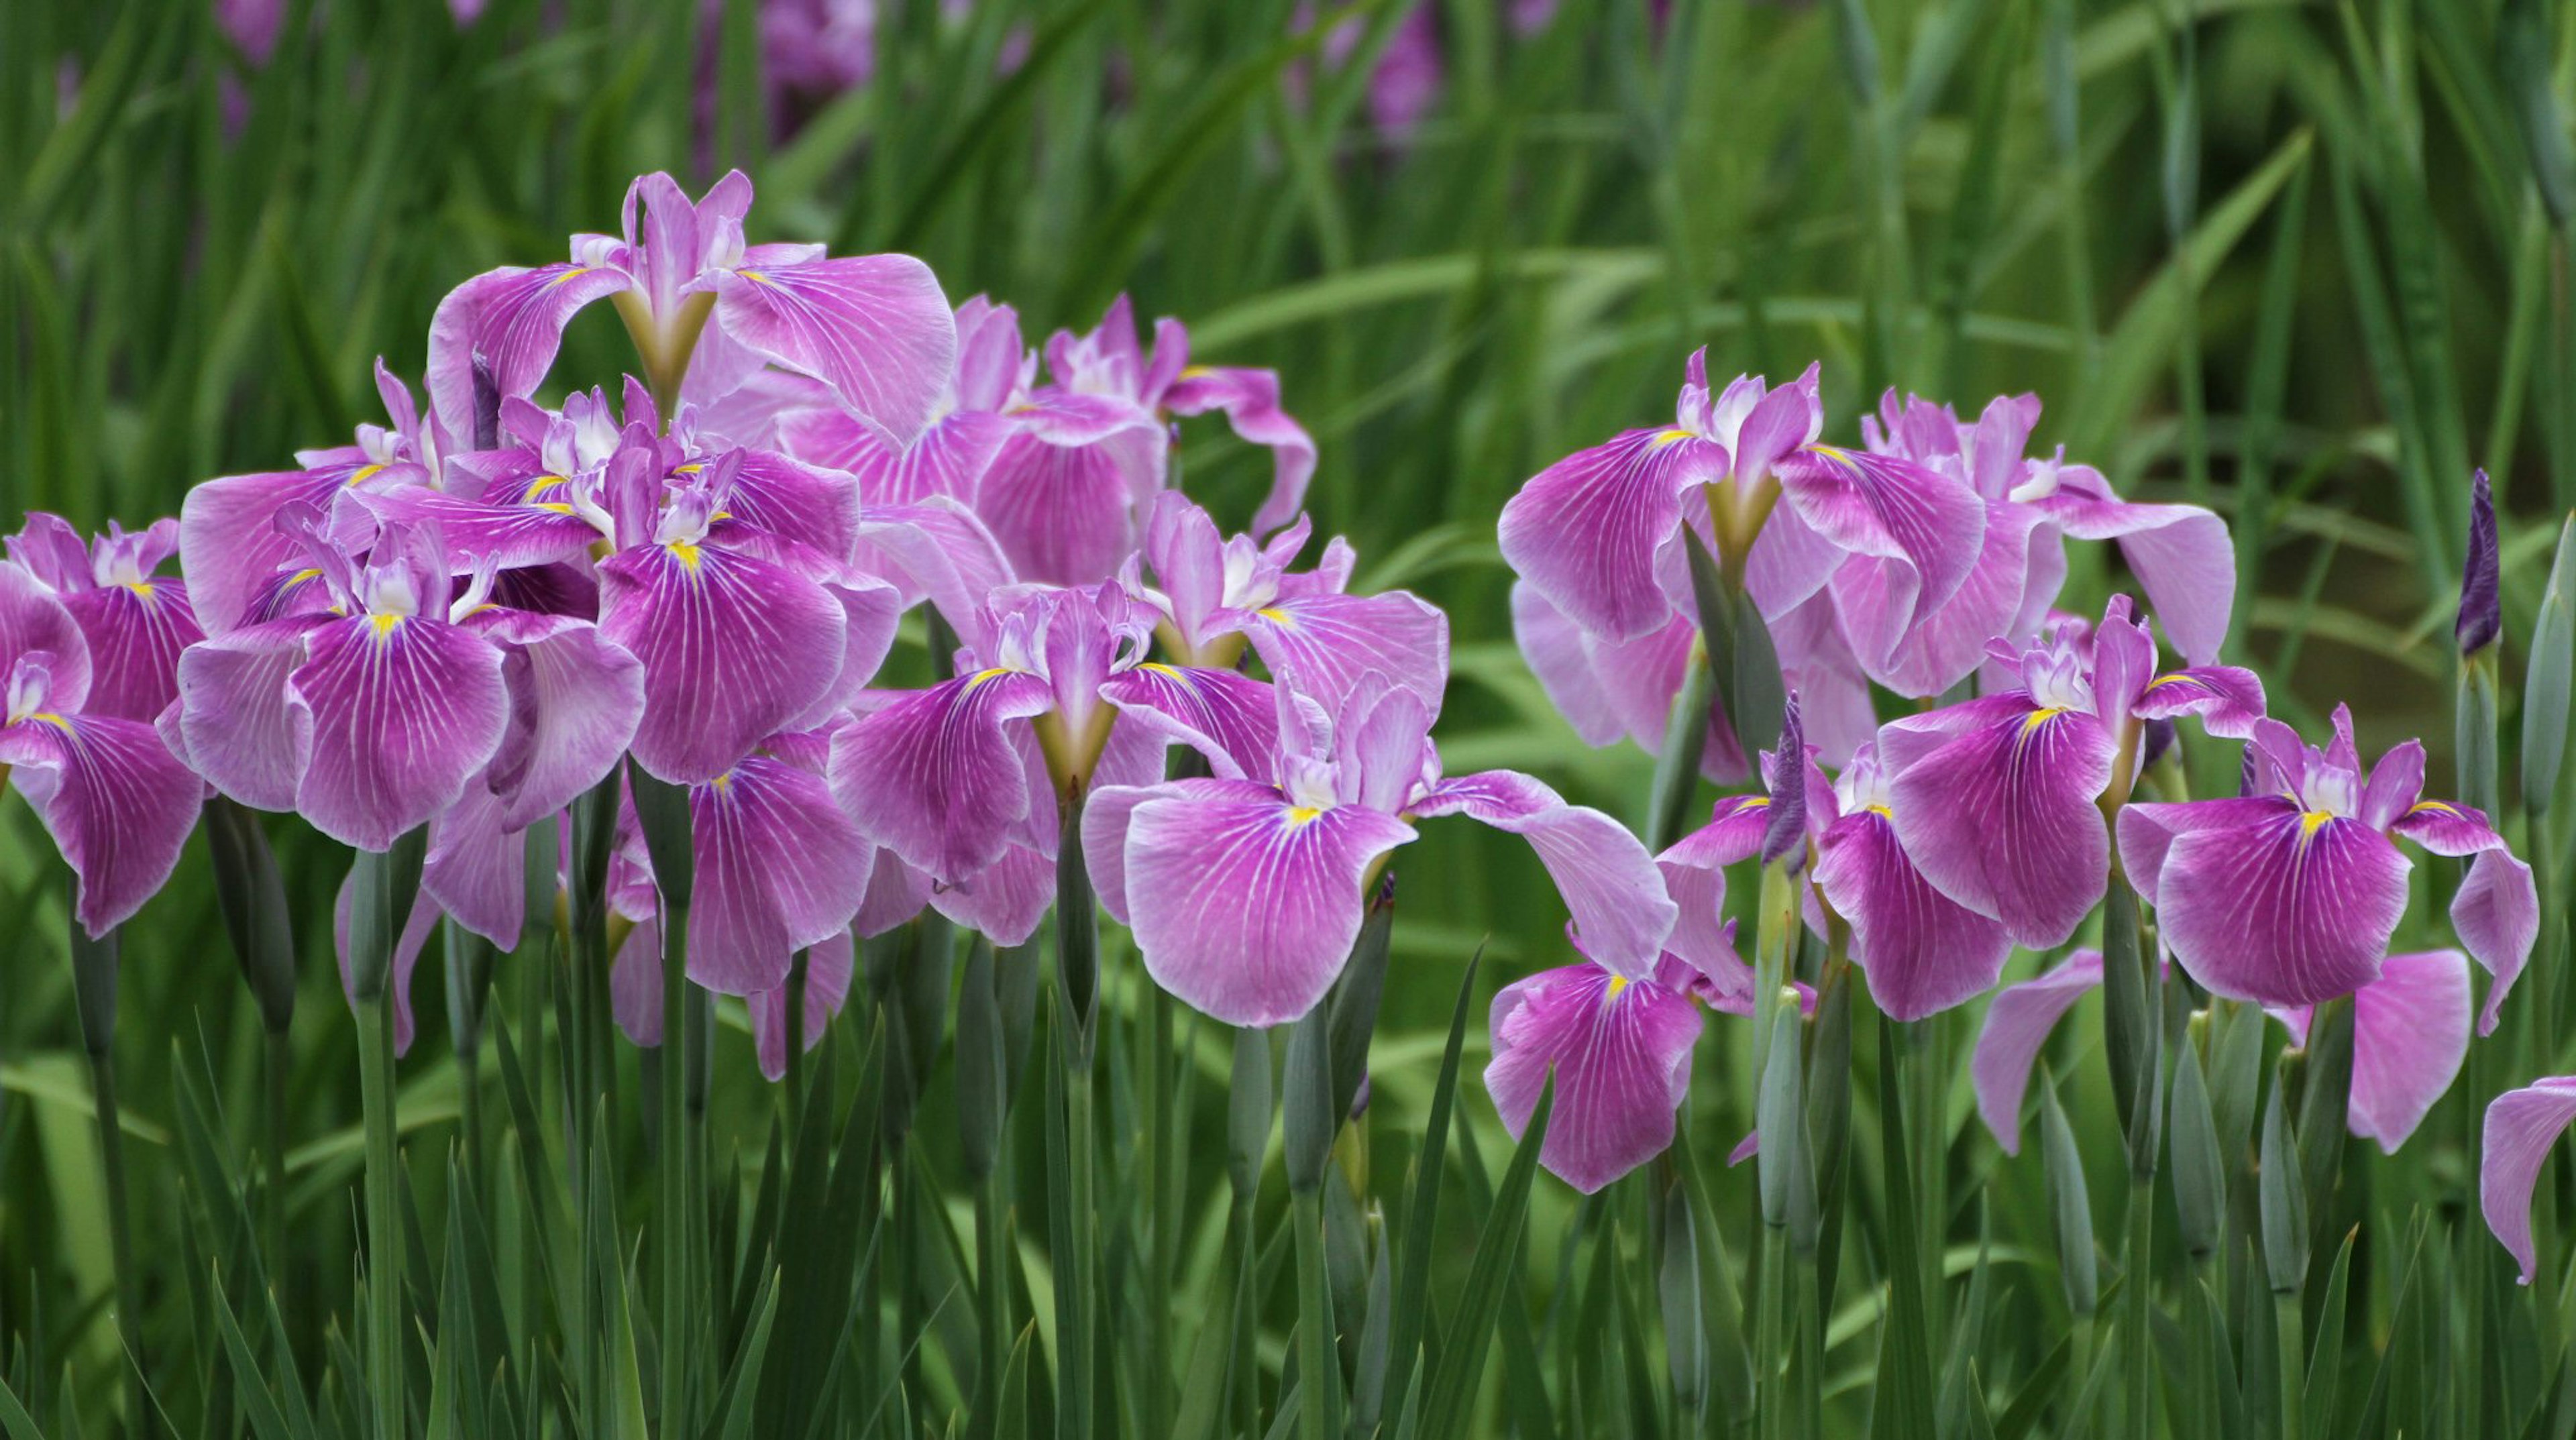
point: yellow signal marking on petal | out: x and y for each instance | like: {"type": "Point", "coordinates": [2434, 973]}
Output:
{"type": "Point", "coordinates": [142, 588]}
{"type": "Point", "coordinates": [982, 677]}
{"type": "Point", "coordinates": [2175, 677]}
{"type": "Point", "coordinates": [544, 483]}
{"type": "Point", "coordinates": [1832, 452]}
{"type": "Point", "coordinates": [2040, 717]}
{"type": "Point", "coordinates": [1159, 668]}
{"type": "Point", "coordinates": [1663, 438]}
{"type": "Point", "coordinates": [300, 576]}
{"type": "Point", "coordinates": [1276, 616]}
{"type": "Point", "coordinates": [363, 472]}
{"type": "Point", "coordinates": [724, 782]}
{"type": "Point", "coordinates": [755, 277]}
{"type": "Point", "coordinates": [577, 270]}
{"type": "Point", "coordinates": [2311, 821]}
{"type": "Point", "coordinates": [1881, 811]}
{"type": "Point", "coordinates": [692, 468]}
{"type": "Point", "coordinates": [1611, 992]}
{"type": "Point", "coordinates": [1303, 815]}
{"type": "Point", "coordinates": [386, 624]}
{"type": "Point", "coordinates": [48, 717]}
{"type": "Point", "coordinates": [2440, 807]}
{"type": "Point", "coordinates": [557, 506]}
{"type": "Point", "coordinates": [686, 553]}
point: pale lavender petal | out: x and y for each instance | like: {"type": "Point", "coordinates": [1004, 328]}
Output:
{"type": "Point", "coordinates": [1694, 871]}
{"type": "Point", "coordinates": [828, 968]}
{"type": "Point", "coordinates": [229, 543]}
{"type": "Point", "coordinates": [1923, 953]}
{"type": "Point", "coordinates": [935, 777]}
{"type": "Point", "coordinates": [575, 700]}
{"type": "Point", "coordinates": [1323, 644]}
{"type": "Point", "coordinates": [32, 620]}
{"type": "Point", "coordinates": [1557, 654]}
{"type": "Point", "coordinates": [117, 803]}
{"type": "Point", "coordinates": [2496, 914]}
{"type": "Point", "coordinates": [1229, 717]}
{"type": "Point", "coordinates": [1610, 884]}
{"type": "Point", "coordinates": [2289, 909]}
{"type": "Point", "coordinates": [1620, 1053]}
{"type": "Point", "coordinates": [1878, 505]}
{"type": "Point", "coordinates": [1065, 514]}
{"type": "Point", "coordinates": [949, 459]}
{"type": "Point", "coordinates": [875, 327]}
{"type": "Point", "coordinates": [2410, 1035]}
{"type": "Point", "coordinates": [780, 866]}
{"type": "Point", "coordinates": [2016, 1026]}
{"type": "Point", "coordinates": [2521, 1125]}
{"type": "Point", "coordinates": [635, 984]}
{"type": "Point", "coordinates": [1250, 400]}
{"type": "Point", "coordinates": [1246, 904]}
{"type": "Point", "coordinates": [940, 551]}
{"type": "Point", "coordinates": [896, 893]}
{"type": "Point", "coordinates": [734, 647]}
{"type": "Point", "coordinates": [2181, 554]}
{"type": "Point", "coordinates": [241, 724]}
{"type": "Point", "coordinates": [2003, 821]}
{"type": "Point", "coordinates": [1586, 530]}
{"type": "Point", "coordinates": [1005, 901]}
{"type": "Point", "coordinates": [477, 871]}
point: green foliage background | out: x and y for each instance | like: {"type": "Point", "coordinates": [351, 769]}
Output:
{"type": "Point", "coordinates": [2292, 260]}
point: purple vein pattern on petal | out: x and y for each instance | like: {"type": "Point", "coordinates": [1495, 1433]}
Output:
{"type": "Point", "coordinates": [1228, 717]}
{"type": "Point", "coordinates": [117, 803]}
{"type": "Point", "coordinates": [1585, 531]}
{"type": "Point", "coordinates": [514, 319]}
{"type": "Point", "coordinates": [780, 867]}
{"type": "Point", "coordinates": [875, 327]}
{"type": "Point", "coordinates": [2497, 917]}
{"type": "Point", "coordinates": [934, 777]}
{"type": "Point", "coordinates": [1610, 884]}
{"type": "Point", "coordinates": [2521, 1125]}
{"type": "Point", "coordinates": [1325, 643]}
{"type": "Point", "coordinates": [136, 633]}
{"type": "Point", "coordinates": [2285, 908]}
{"type": "Point", "coordinates": [403, 715]}
{"type": "Point", "coordinates": [1893, 509]}
{"type": "Point", "coordinates": [1244, 905]}
{"type": "Point", "coordinates": [828, 967]}
{"type": "Point", "coordinates": [1620, 1051]}
{"type": "Point", "coordinates": [2002, 819]}
{"type": "Point", "coordinates": [1922, 951]}
{"type": "Point", "coordinates": [2017, 1025]}
{"type": "Point", "coordinates": [734, 649]}
{"type": "Point", "coordinates": [242, 726]}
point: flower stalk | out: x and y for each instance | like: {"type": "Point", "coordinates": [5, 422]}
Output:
{"type": "Point", "coordinates": [385, 884]}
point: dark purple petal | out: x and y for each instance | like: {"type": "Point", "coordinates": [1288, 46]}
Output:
{"type": "Point", "coordinates": [735, 648]}
{"type": "Point", "coordinates": [405, 710]}
{"type": "Point", "coordinates": [229, 543]}
{"type": "Point", "coordinates": [875, 327]}
{"type": "Point", "coordinates": [1586, 530]}
{"type": "Point", "coordinates": [1610, 884]}
{"type": "Point", "coordinates": [780, 867]}
{"type": "Point", "coordinates": [2439, 825]}
{"type": "Point", "coordinates": [1226, 716]}
{"type": "Point", "coordinates": [34, 620]}
{"type": "Point", "coordinates": [2017, 1025]}
{"type": "Point", "coordinates": [2003, 821]}
{"type": "Point", "coordinates": [2521, 1125]}
{"type": "Point", "coordinates": [2288, 909]}
{"type": "Point", "coordinates": [136, 633]}
{"type": "Point", "coordinates": [2481, 615]}
{"type": "Point", "coordinates": [117, 803]}
{"type": "Point", "coordinates": [935, 777]}
{"type": "Point", "coordinates": [1620, 1052]}
{"type": "Point", "coordinates": [1923, 952]}
{"type": "Point", "coordinates": [575, 700]}
{"type": "Point", "coordinates": [1244, 905]}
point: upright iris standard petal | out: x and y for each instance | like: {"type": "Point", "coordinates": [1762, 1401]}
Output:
{"type": "Point", "coordinates": [1923, 952]}
{"type": "Point", "coordinates": [1609, 882]}
{"type": "Point", "coordinates": [735, 648]}
{"type": "Point", "coordinates": [2017, 1025]}
{"type": "Point", "coordinates": [1585, 532]}
{"type": "Point", "coordinates": [935, 777]}
{"type": "Point", "coordinates": [2521, 1125]}
{"type": "Point", "coordinates": [1620, 1052]}
{"type": "Point", "coordinates": [780, 867]}
{"type": "Point", "coordinates": [2002, 818]}
{"type": "Point", "coordinates": [1245, 904]}
{"type": "Point", "coordinates": [828, 968]}
{"type": "Point", "coordinates": [874, 327]}
{"type": "Point", "coordinates": [404, 711]}
{"type": "Point", "coordinates": [2288, 908]}
{"type": "Point", "coordinates": [118, 805]}
{"type": "Point", "coordinates": [1063, 509]}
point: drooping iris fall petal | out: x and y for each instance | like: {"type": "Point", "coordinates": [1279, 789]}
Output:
{"type": "Point", "coordinates": [934, 777]}
{"type": "Point", "coordinates": [2017, 1025]}
{"type": "Point", "coordinates": [2281, 906]}
{"type": "Point", "coordinates": [1620, 1052]}
{"type": "Point", "coordinates": [2521, 1125]}
{"type": "Point", "coordinates": [404, 711]}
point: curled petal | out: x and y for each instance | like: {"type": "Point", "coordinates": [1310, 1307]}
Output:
{"type": "Point", "coordinates": [512, 319]}
{"type": "Point", "coordinates": [403, 715]}
{"type": "Point", "coordinates": [1694, 871]}
{"type": "Point", "coordinates": [793, 502]}
{"type": "Point", "coordinates": [2181, 555]}
{"type": "Point", "coordinates": [934, 776]}
{"type": "Point", "coordinates": [117, 803]}
{"type": "Point", "coordinates": [507, 536]}
{"type": "Point", "coordinates": [229, 543]}
{"type": "Point", "coordinates": [2445, 828]}
{"type": "Point", "coordinates": [874, 327]}
{"type": "Point", "coordinates": [2520, 1127]}
{"type": "Point", "coordinates": [2227, 699]}
{"type": "Point", "coordinates": [477, 871]}
{"type": "Point", "coordinates": [1228, 717]}
{"type": "Point", "coordinates": [735, 648]}
{"type": "Point", "coordinates": [780, 867]}
{"type": "Point", "coordinates": [938, 551]}
{"type": "Point", "coordinates": [2017, 1025]}
{"type": "Point", "coordinates": [1923, 952]}
{"type": "Point", "coordinates": [1620, 1051]}
{"type": "Point", "coordinates": [240, 723]}
{"type": "Point", "coordinates": [2497, 917]}
{"type": "Point", "coordinates": [1004, 901]}
{"type": "Point", "coordinates": [1245, 906]}
{"type": "Point", "coordinates": [575, 700]}
{"type": "Point", "coordinates": [32, 619]}
{"type": "Point", "coordinates": [2289, 909]}
{"type": "Point", "coordinates": [2002, 820]}
{"type": "Point", "coordinates": [828, 967]}
{"type": "Point", "coordinates": [1324, 643]}
{"type": "Point", "coordinates": [1879, 505]}
{"type": "Point", "coordinates": [1925, 649]}
{"type": "Point", "coordinates": [1586, 530]}
{"type": "Point", "coordinates": [1609, 882]}
{"type": "Point", "coordinates": [1250, 400]}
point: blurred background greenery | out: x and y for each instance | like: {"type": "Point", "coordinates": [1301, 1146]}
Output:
{"type": "Point", "coordinates": [2307, 263]}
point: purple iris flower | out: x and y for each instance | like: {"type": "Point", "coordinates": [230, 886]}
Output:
{"type": "Point", "coordinates": [136, 622]}
{"type": "Point", "coordinates": [2180, 553]}
{"type": "Point", "coordinates": [951, 455]}
{"type": "Point", "coordinates": [2289, 894]}
{"type": "Point", "coordinates": [707, 313]}
{"type": "Point", "coordinates": [1245, 891]}
{"type": "Point", "coordinates": [2521, 1125]}
{"type": "Point", "coordinates": [117, 804]}
{"type": "Point", "coordinates": [1999, 800]}
{"type": "Point", "coordinates": [2410, 1036]}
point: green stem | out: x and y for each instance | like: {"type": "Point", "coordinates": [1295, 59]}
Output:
{"type": "Point", "coordinates": [1079, 1310]}
{"type": "Point", "coordinates": [120, 1239]}
{"type": "Point", "coordinates": [674, 1166]}
{"type": "Point", "coordinates": [1770, 1295]}
{"type": "Point", "coordinates": [385, 1255]}
{"type": "Point", "coordinates": [992, 1202]}
{"type": "Point", "coordinates": [2137, 1342]}
{"type": "Point", "coordinates": [272, 1212]}
{"type": "Point", "coordinates": [1317, 1369]}
{"type": "Point", "coordinates": [2293, 1366]}
{"type": "Point", "coordinates": [1155, 1403]}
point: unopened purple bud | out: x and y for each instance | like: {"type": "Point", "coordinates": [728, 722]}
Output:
{"type": "Point", "coordinates": [2156, 743]}
{"type": "Point", "coordinates": [2481, 607]}
{"type": "Point", "coordinates": [1786, 834]}
{"type": "Point", "coordinates": [1360, 1101]}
